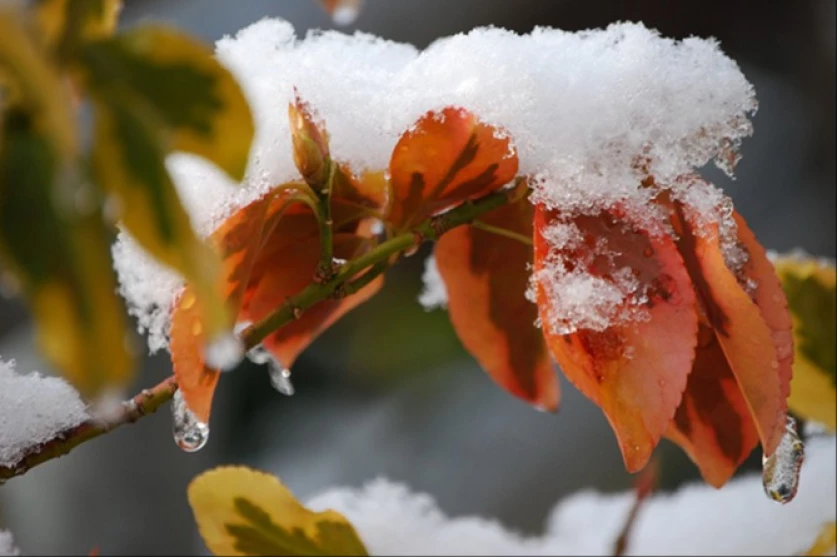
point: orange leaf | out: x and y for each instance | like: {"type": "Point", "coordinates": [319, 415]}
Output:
{"type": "Point", "coordinates": [486, 277]}
{"type": "Point", "coordinates": [237, 240]}
{"type": "Point", "coordinates": [742, 333]}
{"type": "Point", "coordinates": [713, 424]}
{"type": "Point", "coordinates": [635, 372]}
{"type": "Point", "coordinates": [445, 159]}
{"type": "Point", "coordinates": [770, 299]}
{"type": "Point", "coordinates": [285, 269]}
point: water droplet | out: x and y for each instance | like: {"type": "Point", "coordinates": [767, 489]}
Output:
{"type": "Point", "coordinates": [188, 300]}
{"type": "Point", "coordinates": [197, 327]}
{"type": "Point", "coordinates": [189, 432]}
{"type": "Point", "coordinates": [345, 12]}
{"type": "Point", "coordinates": [780, 471]}
{"type": "Point", "coordinates": [224, 353]}
{"type": "Point", "coordinates": [259, 355]}
{"type": "Point", "coordinates": [280, 378]}
{"type": "Point", "coordinates": [774, 364]}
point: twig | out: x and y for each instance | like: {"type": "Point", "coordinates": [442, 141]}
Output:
{"type": "Point", "coordinates": [146, 402]}
{"type": "Point", "coordinates": [645, 484]}
{"type": "Point", "coordinates": [374, 262]}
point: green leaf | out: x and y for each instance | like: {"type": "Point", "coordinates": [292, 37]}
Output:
{"type": "Point", "coordinates": [53, 239]}
{"type": "Point", "coordinates": [809, 285]}
{"type": "Point", "coordinates": [240, 511]}
{"type": "Point", "coordinates": [190, 96]}
{"type": "Point", "coordinates": [156, 91]}
{"type": "Point", "coordinates": [66, 24]}
{"type": "Point", "coordinates": [129, 163]}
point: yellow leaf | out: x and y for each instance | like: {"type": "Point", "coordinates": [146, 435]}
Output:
{"type": "Point", "coordinates": [826, 542]}
{"type": "Point", "coordinates": [59, 254]}
{"type": "Point", "coordinates": [809, 284]}
{"type": "Point", "coordinates": [157, 91]}
{"type": "Point", "coordinates": [129, 163]}
{"type": "Point", "coordinates": [65, 23]}
{"type": "Point", "coordinates": [240, 511]}
{"type": "Point", "coordinates": [194, 100]}
{"type": "Point", "coordinates": [34, 84]}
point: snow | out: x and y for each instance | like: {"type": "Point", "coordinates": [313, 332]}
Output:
{"type": "Point", "coordinates": [696, 520]}
{"type": "Point", "coordinates": [588, 113]}
{"type": "Point", "coordinates": [434, 294]}
{"type": "Point", "coordinates": [7, 544]}
{"type": "Point", "coordinates": [33, 408]}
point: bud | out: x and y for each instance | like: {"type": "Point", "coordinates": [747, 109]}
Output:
{"type": "Point", "coordinates": [310, 143]}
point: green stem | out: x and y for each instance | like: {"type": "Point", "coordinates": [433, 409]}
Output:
{"type": "Point", "coordinates": [502, 232]}
{"type": "Point", "coordinates": [325, 268]}
{"type": "Point", "coordinates": [343, 283]}
{"type": "Point", "coordinates": [430, 229]}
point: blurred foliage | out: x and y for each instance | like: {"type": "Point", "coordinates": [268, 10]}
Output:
{"type": "Point", "coordinates": [151, 91]}
{"type": "Point", "coordinates": [826, 542]}
{"type": "Point", "coordinates": [240, 511]}
{"type": "Point", "coordinates": [809, 284]}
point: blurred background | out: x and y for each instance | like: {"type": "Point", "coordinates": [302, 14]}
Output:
{"type": "Point", "coordinates": [389, 391]}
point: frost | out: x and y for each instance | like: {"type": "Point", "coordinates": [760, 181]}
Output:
{"type": "Point", "coordinates": [33, 408]}
{"type": "Point", "coordinates": [434, 294]}
{"type": "Point", "coordinates": [696, 520]}
{"type": "Point", "coordinates": [7, 545]}
{"type": "Point", "coordinates": [589, 114]}
{"type": "Point", "coordinates": [705, 205]}
{"type": "Point", "coordinates": [578, 299]}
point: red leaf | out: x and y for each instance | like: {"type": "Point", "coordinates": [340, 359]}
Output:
{"type": "Point", "coordinates": [270, 251]}
{"type": "Point", "coordinates": [285, 269]}
{"type": "Point", "coordinates": [635, 372]}
{"type": "Point", "coordinates": [237, 240]}
{"type": "Point", "coordinates": [445, 159]}
{"type": "Point", "coordinates": [713, 424]}
{"type": "Point", "coordinates": [486, 277]}
{"type": "Point", "coordinates": [743, 335]}
{"type": "Point", "coordinates": [770, 299]}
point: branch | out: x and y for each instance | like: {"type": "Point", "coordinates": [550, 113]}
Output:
{"type": "Point", "coordinates": [348, 279]}
{"type": "Point", "coordinates": [146, 402]}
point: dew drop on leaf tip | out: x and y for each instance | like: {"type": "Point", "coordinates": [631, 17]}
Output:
{"type": "Point", "coordinates": [189, 432]}
{"type": "Point", "coordinates": [280, 378]}
{"type": "Point", "coordinates": [780, 471]}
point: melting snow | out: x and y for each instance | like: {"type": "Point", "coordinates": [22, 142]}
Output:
{"type": "Point", "coordinates": [696, 520]}
{"type": "Point", "coordinates": [585, 110]}
{"type": "Point", "coordinates": [33, 408]}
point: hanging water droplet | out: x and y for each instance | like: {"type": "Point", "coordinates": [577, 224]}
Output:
{"type": "Point", "coordinates": [259, 355]}
{"type": "Point", "coordinates": [780, 471]}
{"type": "Point", "coordinates": [280, 378]}
{"type": "Point", "coordinates": [189, 432]}
{"type": "Point", "coordinates": [224, 353]}
{"type": "Point", "coordinates": [344, 12]}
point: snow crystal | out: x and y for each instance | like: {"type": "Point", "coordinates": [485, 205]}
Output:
{"type": "Point", "coordinates": [589, 114]}
{"type": "Point", "coordinates": [696, 520]}
{"type": "Point", "coordinates": [7, 545]}
{"type": "Point", "coordinates": [434, 294]}
{"type": "Point", "coordinates": [33, 408]}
